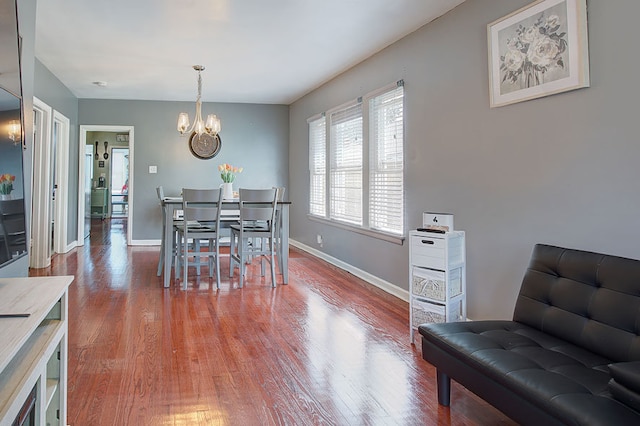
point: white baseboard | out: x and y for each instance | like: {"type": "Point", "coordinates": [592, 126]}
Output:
{"type": "Point", "coordinates": [371, 279]}
{"type": "Point", "coordinates": [145, 242]}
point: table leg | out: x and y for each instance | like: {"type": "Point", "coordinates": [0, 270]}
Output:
{"type": "Point", "coordinates": [168, 242]}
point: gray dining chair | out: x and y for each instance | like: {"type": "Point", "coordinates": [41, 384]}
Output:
{"type": "Point", "coordinates": [12, 226]}
{"type": "Point", "coordinates": [201, 222]}
{"type": "Point", "coordinates": [254, 235]}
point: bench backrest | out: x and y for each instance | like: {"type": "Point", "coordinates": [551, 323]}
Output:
{"type": "Point", "coordinates": [591, 300]}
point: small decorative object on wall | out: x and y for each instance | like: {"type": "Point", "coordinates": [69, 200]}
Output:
{"type": "Point", "coordinates": [537, 51]}
{"type": "Point", "coordinates": [122, 137]}
{"type": "Point", "coordinates": [96, 155]}
{"type": "Point", "coordinates": [106, 153]}
{"type": "Point", "coordinates": [205, 146]}
{"type": "Point", "coordinates": [101, 163]}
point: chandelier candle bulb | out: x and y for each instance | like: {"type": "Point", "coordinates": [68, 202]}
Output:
{"type": "Point", "coordinates": [183, 122]}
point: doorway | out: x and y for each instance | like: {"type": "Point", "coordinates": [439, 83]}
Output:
{"type": "Point", "coordinates": [119, 182]}
{"type": "Point", "coordinates": [104, 170]}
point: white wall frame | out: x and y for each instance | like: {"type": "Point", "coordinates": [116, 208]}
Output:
{"type": "Point", "coordinates": [40, 253]}
{"type": "Point", "coordinates": [61, 134]}
{"type": "Point", "coordinates": [81, 164]}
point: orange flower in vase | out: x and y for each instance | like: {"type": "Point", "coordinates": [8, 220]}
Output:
{"type": "Point", "coordinates": [6, 183]}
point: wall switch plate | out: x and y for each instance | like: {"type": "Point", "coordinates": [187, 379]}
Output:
{"type": "Point", "coordinates": [153, 169]}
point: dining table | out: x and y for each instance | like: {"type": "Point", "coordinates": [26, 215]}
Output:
{"type": "Point", "coordinates": [230, 213]}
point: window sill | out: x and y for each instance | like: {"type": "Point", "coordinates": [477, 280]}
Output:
{"type": "Point", "coordinates": [363, 231]}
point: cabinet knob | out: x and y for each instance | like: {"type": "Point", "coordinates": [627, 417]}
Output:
{"type": "Point", "coordinates": [427, 242]}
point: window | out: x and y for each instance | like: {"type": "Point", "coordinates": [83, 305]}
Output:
{"type": "Point", "coordinates": [362, 184]}
{"type": "Point", "coordinates": [346, 165]}
{"type": "Point", "coordinates": [386, 165]}
{"type": "Point", "coordinates": [317, 166]}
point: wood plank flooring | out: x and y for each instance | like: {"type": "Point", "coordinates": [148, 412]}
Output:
{"type": "Point", "coordinates": [327, 349]}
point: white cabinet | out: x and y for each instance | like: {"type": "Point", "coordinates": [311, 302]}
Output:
{"type": "Point", "coordinates": [437, 278]}
{"type": "Point", "coordinates": [33, 349]}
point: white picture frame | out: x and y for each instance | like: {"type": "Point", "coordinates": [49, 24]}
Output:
{"type": "Point", "coordinates": [538, 50]}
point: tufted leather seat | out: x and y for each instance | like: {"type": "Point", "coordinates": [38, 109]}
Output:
{"type": "Point", "coordinates": [577, 312]}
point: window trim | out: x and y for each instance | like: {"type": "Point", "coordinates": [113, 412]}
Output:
{"type": "Point", "coordinates": [380, 235]}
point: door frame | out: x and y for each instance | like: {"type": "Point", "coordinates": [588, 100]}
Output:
{"type": "Point", "coordinates": [60, 213]}
{"type": "Point", "coordinates": [81, 163]}
{"type": "Point", "coordinates": [39, 255]}
{"type": "Point", "coordinates": [41, 185]}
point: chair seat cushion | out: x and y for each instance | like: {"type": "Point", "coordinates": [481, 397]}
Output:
{"type": "Point", "coordinates": [558, 377]}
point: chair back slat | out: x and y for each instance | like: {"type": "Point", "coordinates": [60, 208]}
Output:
{"type": "Point", "coordinates": [258, 205]}
{"type": "Point", "coordinates": [202, 205]}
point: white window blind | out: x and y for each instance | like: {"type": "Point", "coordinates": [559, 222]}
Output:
{"type": "Point", "coordinates": [386, 186]}
{"type": "Point", "coordinates": [318, 167]}
{"type": "Point", "coordinates": [356, 173]}
{"type": "Point", "coordinates": [346, 165]}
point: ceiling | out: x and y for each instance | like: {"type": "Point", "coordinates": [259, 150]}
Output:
{"type": "Point", "coordinates": [254, 51]}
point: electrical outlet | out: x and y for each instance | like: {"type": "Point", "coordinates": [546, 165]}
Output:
{"type": "Point", "coordinates": [319, 239]}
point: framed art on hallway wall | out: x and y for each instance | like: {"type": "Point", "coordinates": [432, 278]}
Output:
{"type": "Point", "coordinates": [537, 51]}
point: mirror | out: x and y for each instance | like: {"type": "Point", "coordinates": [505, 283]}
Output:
{"type": "Point", "coordinates": [13, 239]}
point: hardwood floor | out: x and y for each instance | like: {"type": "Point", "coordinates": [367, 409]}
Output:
{"type": "Point", "coordinates": [325, 349]}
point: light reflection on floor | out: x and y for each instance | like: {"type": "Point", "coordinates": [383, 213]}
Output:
{"type": "Point", "coordinates": [339, 346]}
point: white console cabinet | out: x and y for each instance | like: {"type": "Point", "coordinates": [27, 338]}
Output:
{"type": "Point", "coordinates": [33, 349]}
{"type": "Point", "coordinates": [437, 278]}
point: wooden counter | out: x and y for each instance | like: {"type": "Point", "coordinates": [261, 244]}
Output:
{"type": "Point", "coordinates": [33, 350]}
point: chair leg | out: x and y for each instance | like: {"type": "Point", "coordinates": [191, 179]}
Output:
{"type": "Point", "coordinates": [185, 262]}
{"type": "Point", "coordinates": [262, 260]}
{"type": "Point", "coordinates": [217, 261]}
{"type": "Point", "coordinates": [241, 266]}
{"type": "Point", "coordinates": [210, 257]}
{"type": "Point", "coordinates": [196, 258]}
{"type": "Point", "coordinates": [175, 256]}
{"type": "Point", "coordinates": [273, 263]}
{"type": "Point", "coordinates": [232, 246]}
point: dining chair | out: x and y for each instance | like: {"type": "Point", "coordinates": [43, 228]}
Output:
{"type": "Point", "coordinates": [174, 237]}
{"type": "Point", "coordinates": [257, 224]}
{"type": "Point", "coordinates": [201, 222]}
{"type": "Point", "coordinates": [13, 227]}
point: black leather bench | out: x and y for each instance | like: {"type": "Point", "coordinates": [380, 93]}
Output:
{"type": "Point", "coordinates": [571, 354]}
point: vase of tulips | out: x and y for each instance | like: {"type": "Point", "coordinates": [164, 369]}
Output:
{"type": "Point", "coordinates": [6, 186]}
{"type": "Point", "coordinates": [228, 175]}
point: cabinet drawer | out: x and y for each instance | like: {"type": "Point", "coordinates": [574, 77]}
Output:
{"type": "Point", "coordinates": [426, 312]}
{"type": "Point", "coordinates": [427, 252]}
{"type": "Point", "coordinates": [435, 284]}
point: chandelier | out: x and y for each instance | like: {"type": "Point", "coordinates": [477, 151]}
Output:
{"type": "Point", "coordinates": [15, 132]}
{"type": "Point", "coordinates": [210, 127]}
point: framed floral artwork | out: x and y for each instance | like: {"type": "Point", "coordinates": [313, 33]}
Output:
{"type": "Point", "coordinates": [538, 50]}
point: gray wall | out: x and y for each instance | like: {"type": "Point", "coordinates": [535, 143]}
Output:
{"type": "Point", "coordinates": [561, 169]}
{"type": "Point", "coordinates": [255, 137]}
{"type": "Point", "coordinates": [51, 91]}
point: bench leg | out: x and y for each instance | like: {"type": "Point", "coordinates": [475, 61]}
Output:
{"type": "Point", "coordinates": [444, 389]}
